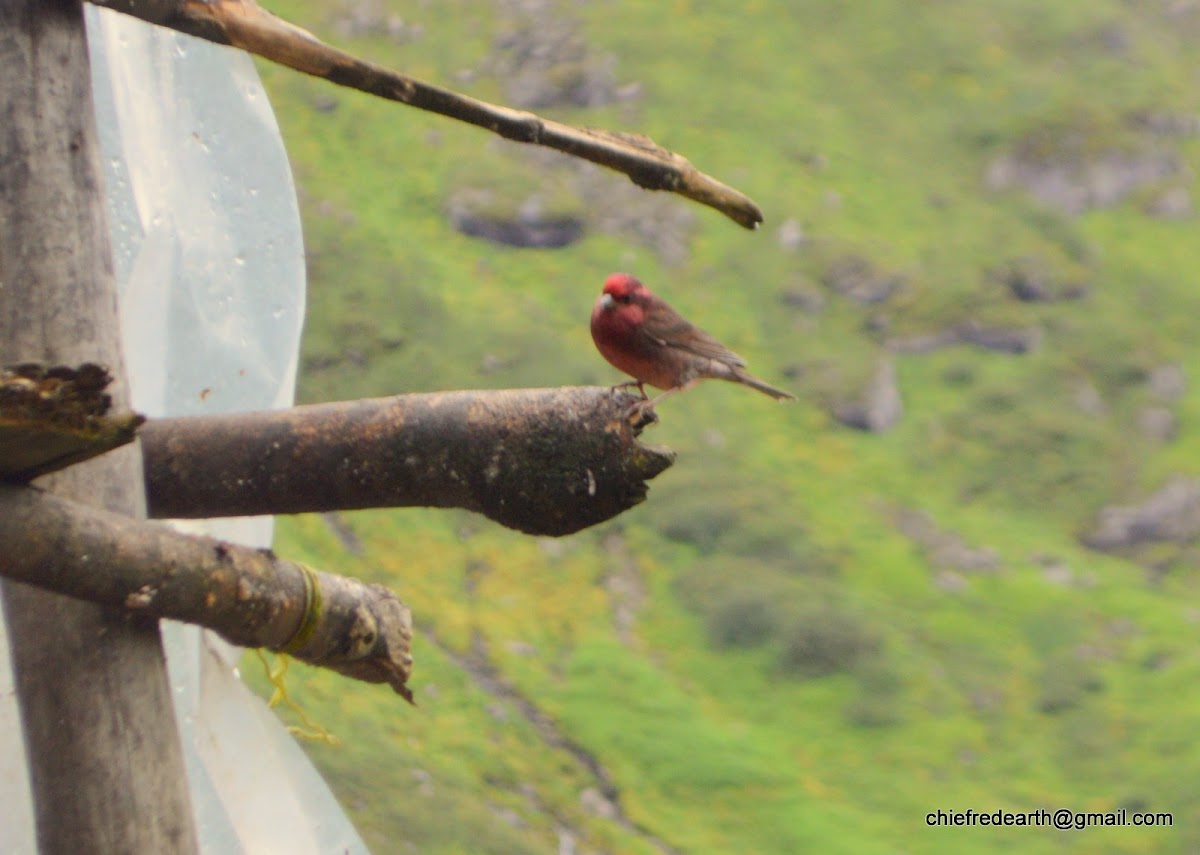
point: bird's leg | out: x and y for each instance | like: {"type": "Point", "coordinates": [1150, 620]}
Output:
{"type": "Point", "coordinates": [629, 383]}
{"type": "Point", "coordinates": [648, 403]}
{"type": "Point", "coordinates": [669, 392]}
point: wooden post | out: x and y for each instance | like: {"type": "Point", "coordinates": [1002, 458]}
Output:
{"type": "Point", "coordinates": [106, 768]}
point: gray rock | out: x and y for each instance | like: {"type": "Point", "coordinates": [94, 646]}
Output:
{"type": "Point", "coordinates": [1157, 423]}
{"type": "Point", "coordinates": [855, 277]}
{"type": "Point", "coordinates": [1060, 168]}
{"type": "Point", "coordinates": [880, 406]}
{"type": "Point", "coordinates": [544, 60]}
{"type": "Point", "coordinates": [1167, 381]}
{"type": "Point", "coordinates": [1168, 124]}
{"type": "Point", "coordinates": [945, 550]}
{"type": "Point", "coordinates": [1170, 515]}
{"type": "Point", "coordinates": [1174, 203]}
{"type": "Point", "coordinates": [1055, 570]}
{"type": "Point", "coordinates": [530, 226]}
{"type": "Point", "coordinates": [804, 297]}
{"type": "Point", "coordinates": [1089, 400]}
{"type": "Point", "coordinates": [790, 235]}
{"type": "Point", "coordinates": [950, 582]}
{"type": "Point", "coordinates": [1014, 340]}
{"type": "Point", "coordinates": [595, 803]}
{"type": "Point", "coordinates": [1030, 281]}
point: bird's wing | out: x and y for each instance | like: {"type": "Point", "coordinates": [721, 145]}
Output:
{"type": "Point", "coordinates": [667, 328]}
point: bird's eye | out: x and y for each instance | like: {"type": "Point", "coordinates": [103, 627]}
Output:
{"type": "Point", "coordinates": [624, 298]}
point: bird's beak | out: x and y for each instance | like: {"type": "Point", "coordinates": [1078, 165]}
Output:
{"type": "Point", "coordinates": [606, 301]}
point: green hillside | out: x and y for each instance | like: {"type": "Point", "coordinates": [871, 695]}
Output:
{"type": "Point", "coordinates": [810, 636]}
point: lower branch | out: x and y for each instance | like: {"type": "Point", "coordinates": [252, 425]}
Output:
{"type": "Point", "coordinates": [249, 596]}
{"type": "Point", "coordinates": [543, 461]}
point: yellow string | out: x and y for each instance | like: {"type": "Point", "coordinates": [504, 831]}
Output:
{"type": "Point", "coordinates": [276, 675]}
{"type": "Point", "coordinates": [312, 611]}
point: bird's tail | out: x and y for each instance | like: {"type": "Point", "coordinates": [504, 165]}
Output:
{"type": "Point", "coordinates": [766, 388]}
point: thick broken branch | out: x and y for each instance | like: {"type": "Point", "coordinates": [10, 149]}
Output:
{"type": "Point", "coordinates": [244, 24]}
{"type": "Point", "coordinates": [543, 461]}
{"type": "Point", "coordinates": [249, 596]}
{"type": "Point", "coordinates": [51, 418]}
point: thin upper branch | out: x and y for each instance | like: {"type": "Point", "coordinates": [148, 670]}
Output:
{"type": "Point", "coordinates": [543, 461]}
{"type": "Point", "coordinates": [244, 24]}
{"type": "Point", "coordinates": [249, 596]}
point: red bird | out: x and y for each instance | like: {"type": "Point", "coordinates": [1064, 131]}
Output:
{"type": "Point", "coordinates": [647, 339]}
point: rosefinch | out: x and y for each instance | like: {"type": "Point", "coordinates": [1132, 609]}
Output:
{"type": "Point", "coordinates": [647, 339]}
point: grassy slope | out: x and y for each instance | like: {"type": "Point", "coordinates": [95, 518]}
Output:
{"type": "Point", "coordinates": [720, 750]}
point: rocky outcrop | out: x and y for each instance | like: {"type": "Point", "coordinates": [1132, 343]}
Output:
{"type": "Point", "coordinates": [543, 60]}
{"type": "Point", "coordinates": [1078, 181]}
{"type": "Point", "coordinates": [1031, 281]}
{"type": "Point", "coordinates": [1174, 203]}
{"type": "Point", "coordinates": [373, 19]}
{"type": "Point", "coordinates": [945, 550]}
{"type": "Point", "coordinates": [1170, 515]}
{"type": "Point", "coordinates": [529, 225]}
{"type": "Point", "coordinates": [1014, 340]}
{"type": "Point", "coordinates": [1157, 423]}
{"type": "Point", "coordinates": [1168, 381]}
{"type": "Point", "coordinates": [856, 278]}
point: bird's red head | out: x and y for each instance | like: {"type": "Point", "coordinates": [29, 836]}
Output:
{"type": "Point", "coordinates": [622, 287]}
{"type": "Point", "coordinates": [623, 301]}
{"type": "Point", "coordinates": [618, 319]}
{"type": "Point", "coordinates": [621, 307]}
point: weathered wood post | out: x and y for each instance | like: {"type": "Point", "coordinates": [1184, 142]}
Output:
{"type": "Point", "coordinates": [106, 767]}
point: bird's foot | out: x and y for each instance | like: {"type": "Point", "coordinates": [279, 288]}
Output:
{"type": "Point", "coordinates": [641, 414]}
{"type": "Point", "coordinates": [629, 384]}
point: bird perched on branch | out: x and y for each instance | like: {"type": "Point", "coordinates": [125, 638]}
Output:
{"type": "Point", "coordinates": [644, 337]}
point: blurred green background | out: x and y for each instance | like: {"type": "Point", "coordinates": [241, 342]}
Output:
{"type": "Point", "coordinates": [902, 594]}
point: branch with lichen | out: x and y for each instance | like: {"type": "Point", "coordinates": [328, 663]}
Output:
{"type": "Point", "coordinates": [244, 24]}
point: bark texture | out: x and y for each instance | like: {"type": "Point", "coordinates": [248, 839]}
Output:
{"type": "Point", "coordinates": [542, 461]}
{"type": "Point", "coordinates": [106, 767]}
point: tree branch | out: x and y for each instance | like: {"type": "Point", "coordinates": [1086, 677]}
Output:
{"type": "Point", "coordinates": [249, 596]}
{"type": "Point", "coordinates": [543, 461]}
{"type": "Point", "coordinates": [51, 418]}
{"type": "Point", "coordinates": [244, 24]}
